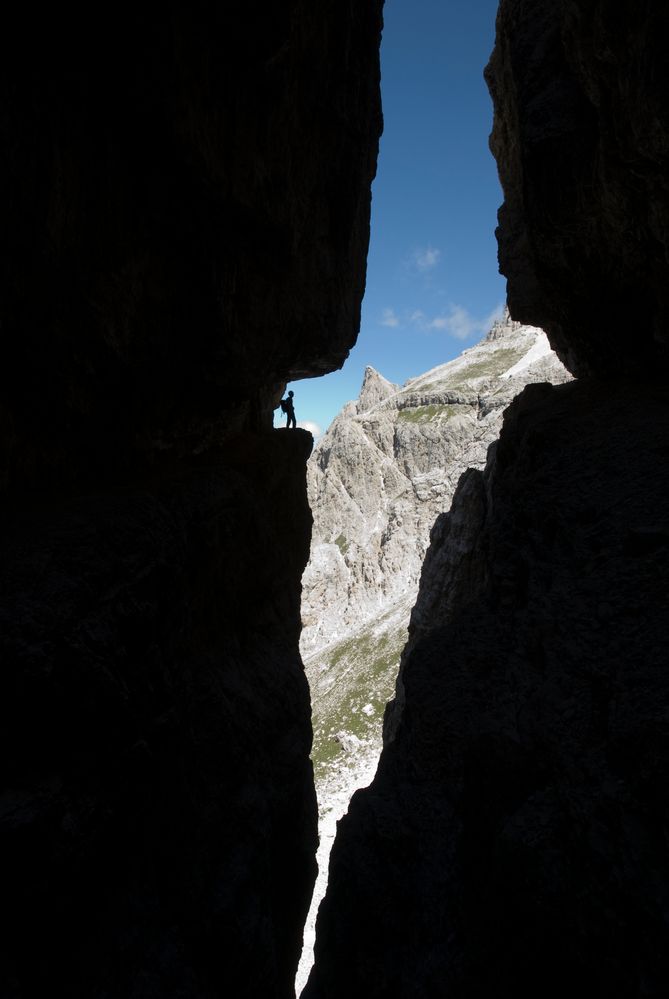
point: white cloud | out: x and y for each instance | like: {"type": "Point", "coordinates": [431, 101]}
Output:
{"type": "Point", "coordinates": [425, 258]}
{"type": "Point", "coordinates": [312, 427]}
{"type": "Point", "coordinates": [497, 313]}
{"type": "Point", "coordinates": [458, 322]}
{"type": "Point", "coordinates": [389, 318]}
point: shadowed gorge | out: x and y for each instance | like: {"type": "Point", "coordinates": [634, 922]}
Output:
{"type": "Point", "coordinates": [513, 841]}
{"type": "Point", "coordinates": [185, 221]}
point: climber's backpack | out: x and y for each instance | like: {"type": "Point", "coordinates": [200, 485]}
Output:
{"type": "Point", "coordinates": [284, 406]}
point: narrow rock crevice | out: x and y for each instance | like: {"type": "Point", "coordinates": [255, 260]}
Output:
{"type": "Point", "coordinates": [512, 842]}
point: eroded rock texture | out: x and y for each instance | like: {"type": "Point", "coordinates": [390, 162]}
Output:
{"type": "Point", "coordinates": [389, 464]}
{"type": "Point", "coordinates": [581, 137]}
{"type": "Point", "coordinates": [513, 839]}
{"type": "Point", "coordinates": [513, 842]}
{"type": "Point", "coordinates": [185, 219]}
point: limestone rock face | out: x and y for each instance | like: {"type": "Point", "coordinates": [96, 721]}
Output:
{"type": "Point", "coordinates": [581, 138]}
{"type": "Point", "coordinates": [390, 463]}
{"type": "Point", "coordinates": [375, 388]}
{"type": "Point", "coordinates": [185, 218]}
{"type": "Point", "coordinates": [515, 821]}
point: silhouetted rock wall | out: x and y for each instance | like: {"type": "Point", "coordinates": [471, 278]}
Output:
{"type": "Point", "coordinates": [158, 818]}
{"type": "Point", "coordinates": [185, 218]}
{"type": "Point", "coordinates": [513, 841]}
{"type": "Point", "coordinates": [581, 138]}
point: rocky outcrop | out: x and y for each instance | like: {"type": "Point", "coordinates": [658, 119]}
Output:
{"type": "Point", "coordinates": [375, 389]}
{"type": "Point", "coordinates": [185, 226]}
{"type": "Point", "coordinates": [512, 842]}
{"type": "Point", "coordinates": [390, 463]}
{"type": "Point", "coordinates": [581, 138]}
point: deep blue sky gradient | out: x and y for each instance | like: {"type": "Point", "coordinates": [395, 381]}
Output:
{"type": "Point", "coordinates": [432, 280]}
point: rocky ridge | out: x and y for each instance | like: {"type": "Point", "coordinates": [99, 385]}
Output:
{"type": "Point", "coordinates": [390, 463]}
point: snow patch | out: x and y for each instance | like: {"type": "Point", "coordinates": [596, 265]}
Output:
{"type": "Point", "coordinates": [538, 350]}
{"type": "Point", "coordinates": [333, 802]}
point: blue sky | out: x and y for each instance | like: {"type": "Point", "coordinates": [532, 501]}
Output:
{"type": "Point", "coordinates": [432, 280]}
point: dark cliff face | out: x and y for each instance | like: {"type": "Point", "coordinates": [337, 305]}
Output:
{"type": "Point", "coordinates": [185, 221]}
{"type": "Point", "coordinates": [581, 137]}
{"type": "Point", "coordinates": [513, 841]}
{"type": "Point", "coordinates": [158, 818]}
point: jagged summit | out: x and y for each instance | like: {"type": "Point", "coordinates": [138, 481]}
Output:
{"type": "Point", "coordinates": [508, 348]}
{"type": "Point", "coordinates": [482, 370]}
{"type": "Point", "coordinates": [375, 389]}
{"type": "Point", "coordinates": [504, 326]}
{"type": "Point", "coordinates": [390, 463]}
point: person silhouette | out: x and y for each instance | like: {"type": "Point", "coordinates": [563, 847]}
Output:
{"type": "Point", "coordinates": [289, 410]}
